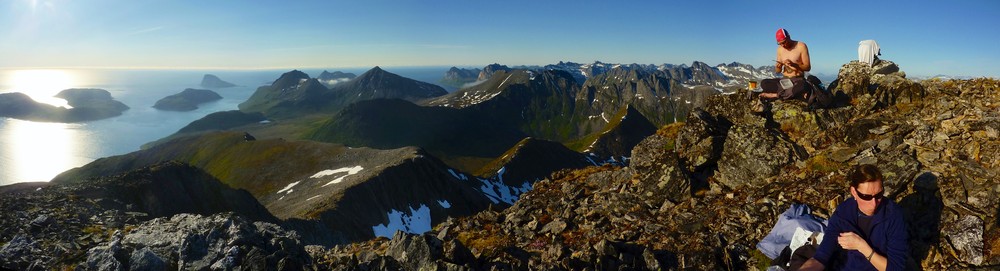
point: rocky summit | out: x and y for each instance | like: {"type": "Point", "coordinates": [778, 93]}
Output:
{"type": "Point", "coordinates": [701, 194]}
{"type": "Point", "coordinates": [695, 195]}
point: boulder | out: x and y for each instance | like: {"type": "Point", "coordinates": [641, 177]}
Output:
{"type": "Point", "coordinates": [700, 141]}
{"type": "Point", "coordinates": [658, 167]}
{"type": "Point", "coordinates": [752, 154]}
{"type": "Point", "coordinates": [415, 252]}
{"type": "Point", "coordinates": [808, 128]}
{"type": "Point", "coordinates": [188, 241]}
{"type": "Point", "coordinates": [894, 89]}
{"type": "Point", "coordinates": [883, 81]}
{"type": "Point", "coordinates": [966, 238]}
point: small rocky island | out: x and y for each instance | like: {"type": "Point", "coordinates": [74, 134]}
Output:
{"type": "Point", "coordinates": [187, 100]}
{"type": "Point", "coordinates": [86, 105]}
{"type": "Point", "coordinates": [212, 81]}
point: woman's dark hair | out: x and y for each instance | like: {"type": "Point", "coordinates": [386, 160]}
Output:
{"type": "Point", "coordinates": [864, 174]}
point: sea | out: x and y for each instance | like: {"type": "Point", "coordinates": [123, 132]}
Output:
{"type": "Point", "coordinates": [38, 151]}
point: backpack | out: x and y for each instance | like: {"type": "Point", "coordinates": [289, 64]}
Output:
{"type": "Point", "coordinates": [818, 96]}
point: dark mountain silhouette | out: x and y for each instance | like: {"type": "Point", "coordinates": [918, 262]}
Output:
{"type": "Point", "coordinates": [212, 81]}
{"type": "Point", "coordinates": [295, 94]}
{"type": "Point", "coordinates": [87, 105]}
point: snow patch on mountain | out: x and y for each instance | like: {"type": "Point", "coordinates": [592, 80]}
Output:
{"type": "Point", "coordinates": [498, 191]}
{"type": "Point", "coordinates": [349, 170]}
{"type": "Point", "coordinates": [415, 221]}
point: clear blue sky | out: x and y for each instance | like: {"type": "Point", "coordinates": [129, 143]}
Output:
{"type": "Point", "coordinates": [924, 38]}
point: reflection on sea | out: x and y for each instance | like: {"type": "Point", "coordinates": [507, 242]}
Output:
{"type": "Point", "coordinates": [38, 151]}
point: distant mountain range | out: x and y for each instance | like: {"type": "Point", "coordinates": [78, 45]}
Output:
{"type": "Point", "coordinates": [481, 145]}
{"type": "Point", "coordinates": [698, 73]}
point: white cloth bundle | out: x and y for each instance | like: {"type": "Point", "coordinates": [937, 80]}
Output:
{"type": "Point", "coordinates": [867, 50]}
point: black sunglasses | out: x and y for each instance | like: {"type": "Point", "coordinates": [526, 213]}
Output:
{"type": "Point", "coordinates": [867, 197]}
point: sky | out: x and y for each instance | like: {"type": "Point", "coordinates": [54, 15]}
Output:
{"type": "Point", "coordinates": [923, 37]}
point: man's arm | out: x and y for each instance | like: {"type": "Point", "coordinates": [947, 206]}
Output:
{"type": "Point", "coordinates": [777, 64]}
{"type": "Point", "coordinates": [806, 65]}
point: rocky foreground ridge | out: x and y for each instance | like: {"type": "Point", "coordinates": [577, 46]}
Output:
{"type": "Point", "coordinates": [696, 195]}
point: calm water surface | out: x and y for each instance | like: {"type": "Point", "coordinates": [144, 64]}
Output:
{"type": "Point", "coordinates": [38, 151]}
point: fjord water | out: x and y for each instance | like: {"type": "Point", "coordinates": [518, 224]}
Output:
{"type": "Point", "coordinates": [38, 151]}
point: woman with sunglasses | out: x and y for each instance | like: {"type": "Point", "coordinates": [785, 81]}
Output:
{"type": "Point", "coordinates": [865, 232]}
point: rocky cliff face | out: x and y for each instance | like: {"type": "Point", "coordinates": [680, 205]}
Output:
{"type": "Point", "coordinates": [701, 194]}
{"type": "Point", "coordinates": [54, 225]}
{"type": "Point", "coordinates": [489, 70]}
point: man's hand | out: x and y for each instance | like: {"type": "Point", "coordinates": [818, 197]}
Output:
{"type": "Point", "coordinates": [850, 240]}
{"type": "Point", "coordinates": [788, 63]}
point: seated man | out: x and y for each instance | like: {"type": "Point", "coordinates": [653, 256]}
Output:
{"type": "Point", "coordinates": [792, 62]}
{"type": "Point", "coordinates": [866, 232]}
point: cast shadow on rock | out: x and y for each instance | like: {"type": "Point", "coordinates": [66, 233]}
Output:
{"type": "Point", "coordinates": [922, 212]}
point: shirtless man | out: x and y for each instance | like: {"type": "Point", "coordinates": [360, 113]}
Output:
{"type": "Point", "coordinates": [792, 62]}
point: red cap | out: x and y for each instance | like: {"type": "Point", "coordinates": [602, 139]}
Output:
{"type": "Point", "coordinates": [781, 35]}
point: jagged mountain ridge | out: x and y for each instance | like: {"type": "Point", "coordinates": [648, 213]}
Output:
{"type": "Point", "coordinates": [724, 77]}
{"type": "Point", "coordinates": [621, 136]}
{"type": "Point", "coordinates": [531, 160]}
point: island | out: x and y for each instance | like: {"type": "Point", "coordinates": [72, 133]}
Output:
{"type": "Point", "coordinates": [187, 100]}
{"type": "Point", "coordinates": [212, 81]}
{"type": "Point", "coordinates": [86, 105]}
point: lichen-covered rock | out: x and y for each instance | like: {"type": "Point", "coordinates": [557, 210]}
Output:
{"type": "Point", "coordinates": [808, 128]}
{"type": "Point", "coordinates": [893, 89]}
{"type": "Point", "coordinates": [966, 237]}
{"type": "Point", "coordinates": [415, 252]}
{"type": "Point", "coordinates": [699, 142]}
{"type": "Point", "coordinates": [659, 168]}
{"type": "Point", "coordinates": [875, 87]}
{"type": "Point", "coordinates": [752, 154]}
{"type": "Point", "coordinates": [187, 241]}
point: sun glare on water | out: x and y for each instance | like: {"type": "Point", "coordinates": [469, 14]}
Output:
{"type": "Point", "coordinates": [39, 150]}
{"type": "Point", "coordinates": [40, 85]}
